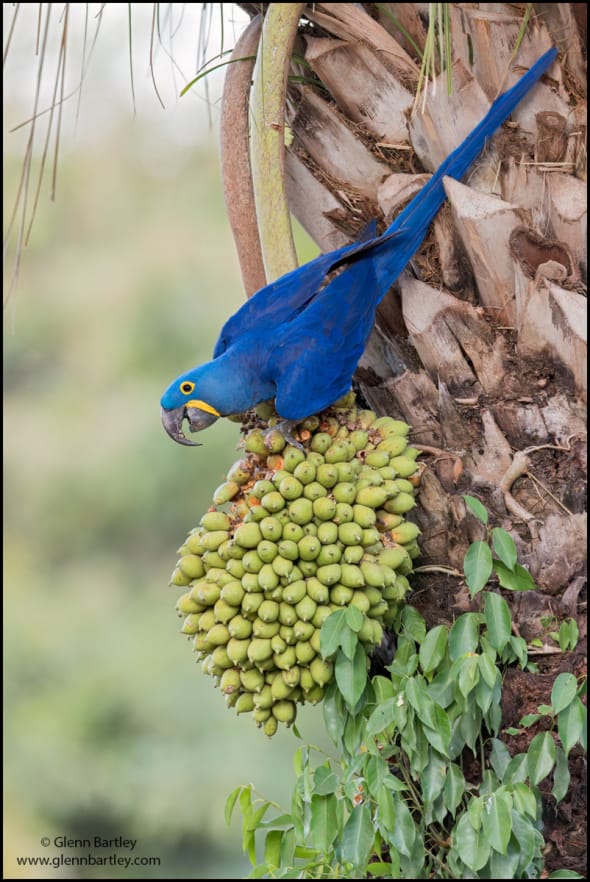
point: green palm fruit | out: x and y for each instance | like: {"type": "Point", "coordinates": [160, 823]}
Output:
{"type": "Point", "coordinates": [271, 528]}
{"type": "Point", "coordinates": [280, 690]}
{"type": "Point", "coordinates": [320, 442]}
{"type": "Point", "coordinates": [239, 472]}
{"type": "Point", "coordinates": [405, 485]}
{"type": "Point", "coordinates": [245, 703]}
{"type": "Point", "coordinates": [290, 488]}
{"type": "Point", "coordinates": [288, 549]}
{"type": "Point", "coordinates": [365, 634]}
{"type": "Point", "coordinates": [292, 456]}
{"type": "Point", "coordinates": [248, 535]}
{"type": "Point", "coordinates": [324, 508]}
{"type": "Point", "coordinates": [270, 727]}
{"type": "Point", "coordinates": [261, 488]}
{"type": "Point", "coordinates": [371, 537]}
{"type": "Point", "coordinates": [267, 630]}
{"type": "Point", "coordinates": [303, 629]}
{"type": "Point", "coordinates": [231, 551]}
{"type": "Point", "coordinates": [344, 513]}
{"type": "Point", "coordinates": [311, 423]}
{"type": "Point", "coordinates": [250, 583]}
{"type": "Point", "coordinates": [230, 681]}
{"type": "Point", "coordinates": [360, 600]}
{"type": "Point", "coordinates": [260, 715]}
{"type": "Point", "coordinates": [344, 491]}
{"type": "Point", "coordinates": [225, 492]}
{"type": "Point", "coordinates": [389, 426]}
{"type": "Point", "coordinates": [292, 532]}
{"type": "Point", "coordinates": [386, 521]}
{"type": "Point", "coordinates": [301, 510]}
{"type": "Point", "coordinates": [213, 521]}
{"type": "Point", "coordinates": [327, 533]}
{"type": "Point", "coordinates": [284, 712]}
{"type": "Point", "coordinates": [329, 574]}
{"type": "Point", "coordinates": [277, 643]}
{"type": "Point", "coordinates": [304, 652]}
{"type": "Point", "coordinates": [252, 562]}
{"type": "Point", "coordinates": [306, 681]}
{"type": "Point", "coordinates": [186, 605]}
{"type": "Point", "coordinates": [218, 635]}
{"type": "Point", "coordinates": [372, 573]}
{"type": "Point", "coordinates": [180, 579]}
{"type": "Point", "coordinates": [254, 442]}
{"type": "Point", "coordinates": [315, 695]}
{"type": "Point", "coordinates": [401, 503]}
{"type": "Point", "coordinates": [413, 549]}
{"type": "Point", "coordinates": [351, 576]}
{"type": "Point", "coordinates": [207, 620]}
{"type": "Point", "coordinates": [350, 533]}
{"type": "Point", "coordinates": [191, 624]}
{"type": "Point", "coordinates": [319, 617]}
{"type": "Point", "coordinates": [252, 680]}
{"type": "Point", "coordinates": [256, 513]}
{"type": "Point", "coordinates": [366, 418]}
{"type": "Point", "coordinates": [321, 670]}
{"type": "Point", "coordinates": [267, 578]}
{"type": "Point", "coordinates": [392, 557]}
{"type": "Point", "coordinates": [348, 471]}
{"type": "Point", "coordinates": [293, 593]}
{"type": "Point", "coordinates": [314, 491]}
{"type": "Point", "coordinates": [307, 567]}
{"type": "Point", "coordinates": [212, 560]}
{"type": "Point", "coordinates": [372, 496]}
{"type": "Point", "coordinates": [251, 602]}
{"type": "Point", "coordinates": [394, 445]}
{"type": "Point", "coordinates": [259, 650]}
{"type": "Point", "coordinates": [275, 442]}
{"type": "Point", "coordinates": [201, 643]}
{"type": "Point", "coordinates": [286, 632]}
{"type": "Point", "coordinates": [329, 554]}
{"type": "Point", "coordinates": [268, 611]}
{"type": "Point", "coordinates": [286, 659]}
{"type": "Point", "coordinates": [377, 458]}
{"type": "Point", "coordinates": [191, 566]}
{"type": "Point", "coordinates": [359, 439]}
{"type": "Point", "coordinates": [340, 451]}
{"type": "Point", "coordinates": [308, 548]}
{"type": "Point", "coordinates": [224, 612]}
{"type": "Point", "coordinates": [305, 609]}
{"type": "Point", "coordinates": [305, 472]}
{"type": "Point", "coordinates": [404, 465]}
{"type": "Point", "coordinates": [287, 614]}
{"type": "Point", "coordinates": [266, 551]}
{"type": "Point", "coordinates": [273, 502]}
{"type": "Point", "coordinates": [373, 594]}
{"type": "Point", "coordinates": [318, 592]}
{"type": "Point", "coordinates": [237, 650]}
{"type": "Point", "coordinates": [353, 554]}
{"type": "Point", "coordinates": [340, 595]}
{"type": "Point", "coordinates": [327, 475]}
{"type": "Point", "coordinates": [282, 566]}
{"type": "Point", "coordinates": [264, 699]}
{"type": "Point", "coordinates": [405, 532]}
{"type": "Point", "coordinates": [379, 609]}
{"type": "Point", "coordinates": [364, 516]}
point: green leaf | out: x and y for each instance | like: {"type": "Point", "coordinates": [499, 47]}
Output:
{"type": "Point", "coordinates": [272, 848]}
{"type": "Point", "coordinates": [439, 736]}
{"type": "Point", "coordinates": [468, 675]}
{"type": "Point", "coordinates": [287, 848]}
{"type": "Point", "coordinates": [504, 546]}
{"type": "Point", "coordinates": [526, 836]}
{"type": "Point", "coordinates": [504, 866]}
{"type": "Point", "coordinates": [571, 723]}
{"type": "Point", "coordinates": [454, 787]}
{"type": "Point", "coordinates": [568, 634]}
{"type": "Point", "coordinates": [561, 775]}
{"type": "Point", "coordinates": [499, 757]}
{"type": "Point", "coordinates": [323, 821]}
{"type": "Point", "coordinates": [404, 834]}
{"type": "Point", "coordinates": [540, 757]}
{"type": "Point", "coordinates": [563, 692]}
{"type": "Point", "coordinates": [375, 771]}
{"type": "Point", "coordinates": [380, 869]}
{"type": "Point", "coordinates": [476, 508]}
{"type": "Point", "coordinates": [348, 642]}
{"type": "Point", "coordinates": [498, 620]}
{"type": "Point", "coordinates": [488, 670]}
{"type": "Point", "coordinates": [413, 623]}
{"type": "Point", "coordinates": [564, 874]}
{"type": "Point", "coordinates": [382, 717]}
{"type": "Point", "coordinates": [464, 635]}
{"type": "Point", "coordinates": [386, 811]}
{"type": "Point", "coordinates": [477, 566]}
{"type": "Point", "coordinates": [516, 770]}
{"type": "Point", "coordinates": [471, 845]}
{"type": "Point", "coordinates": [354, 618]}
{"type": "Point", "coordinates": [357, 837]}
{"type": "Point", "coordinates": [496, 820]}
{"type": "Point", "coordinates": [433, 648]}
{"type": "Point", "coordinates": [351, 675]}
{"type": "Point", "coordinates": [530, 719]}
{"type": "Point", "coordinates": [335, 714]}
{"type": "Point", "coordinates": [230, 803]}
{"type": "Point", "coordinates": [516, 579]}
{"type": "Point", "coordinates": [523, 797]}
{"type": "Point", "coordinates": [475, 811]}
{"type": "Point", "coordinates": [331, 633]}
{"type": "Point", "coordinates": [324, 780]}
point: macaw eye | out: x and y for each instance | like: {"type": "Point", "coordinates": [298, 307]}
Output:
{"type": "Point", "coordinates": [186, 388]}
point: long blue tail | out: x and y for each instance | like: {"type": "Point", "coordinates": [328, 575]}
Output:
{"type": "Point", "coordinates": [411, 225]}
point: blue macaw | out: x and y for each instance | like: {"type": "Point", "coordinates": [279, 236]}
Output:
{"type": "Point", "coordinates": [299, 339]}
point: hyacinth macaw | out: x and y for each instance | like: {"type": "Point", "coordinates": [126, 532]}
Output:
{"type": "Point", "coordinates": [299, 339]}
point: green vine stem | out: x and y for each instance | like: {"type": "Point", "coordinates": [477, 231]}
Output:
{"type": "Point", "coordinates": [267, 137]}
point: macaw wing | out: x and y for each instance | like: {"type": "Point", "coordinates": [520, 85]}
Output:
{"type": "Point", "coordinates": [283, 299]}
{"type": "Point", "coordinates": [317, 353]}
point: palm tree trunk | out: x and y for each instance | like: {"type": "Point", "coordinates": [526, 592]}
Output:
{"type": "Point", "coordinates": [481, 344]}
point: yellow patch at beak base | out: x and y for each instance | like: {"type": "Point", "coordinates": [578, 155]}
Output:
{"type": "Point", "coordinates": [202, 405]}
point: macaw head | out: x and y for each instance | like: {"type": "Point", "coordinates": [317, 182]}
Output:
{"type": "Point", "coordinates": [180, 401]}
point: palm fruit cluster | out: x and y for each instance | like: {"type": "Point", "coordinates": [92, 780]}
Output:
{"type": "Point", "coordinates": [295, 533]}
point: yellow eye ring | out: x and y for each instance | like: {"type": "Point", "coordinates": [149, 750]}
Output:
{"type": "Point", "coordinates": [187, 387]}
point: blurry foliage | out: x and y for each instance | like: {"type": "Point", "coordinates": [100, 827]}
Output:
{"type": "Point", "coordinates": [111, 728]}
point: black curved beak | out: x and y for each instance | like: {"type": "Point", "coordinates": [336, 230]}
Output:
{"type": "Point", "coordinates": [197, 419]}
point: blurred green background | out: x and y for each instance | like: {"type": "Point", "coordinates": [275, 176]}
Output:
{"type": "Point", "coordinates": [111, 727]}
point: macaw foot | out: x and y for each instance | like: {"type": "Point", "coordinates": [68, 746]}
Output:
{"type": "Point", "coordinates": [285, 429]}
